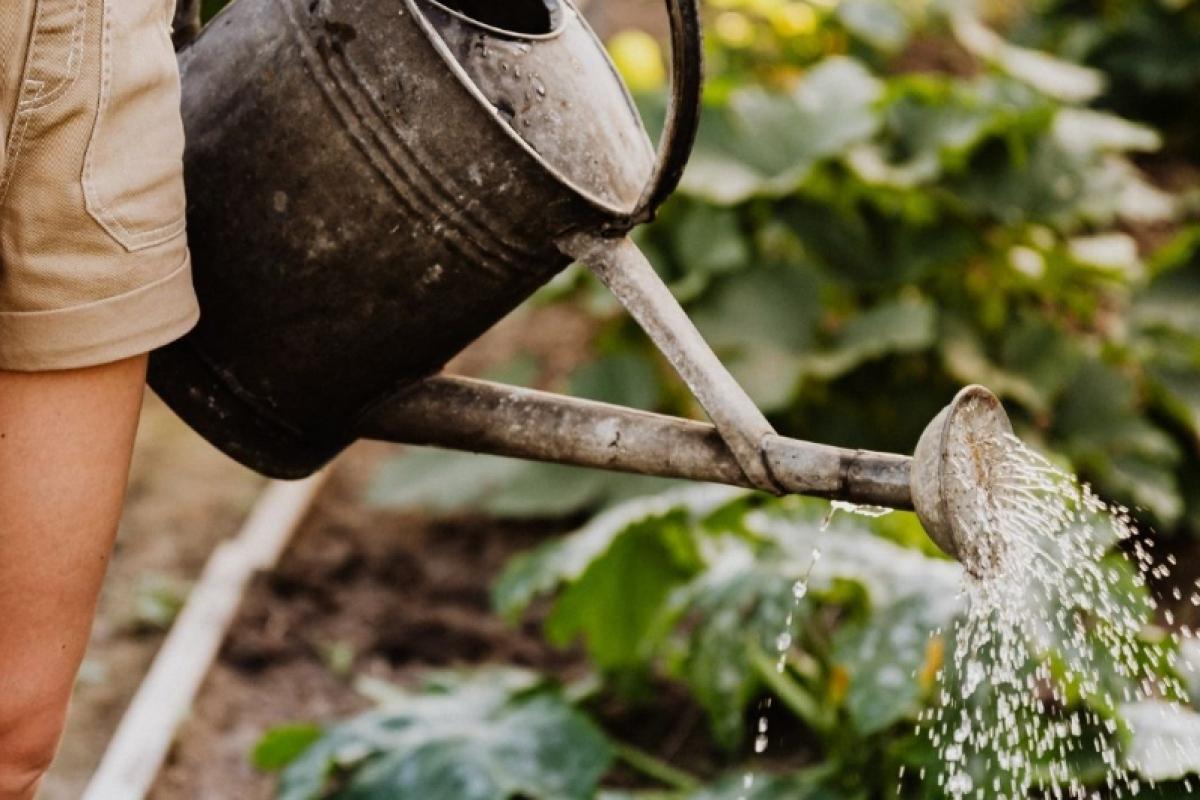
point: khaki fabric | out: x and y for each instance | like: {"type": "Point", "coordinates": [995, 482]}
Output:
{"type": "Point", "coordinates": [94, 263]}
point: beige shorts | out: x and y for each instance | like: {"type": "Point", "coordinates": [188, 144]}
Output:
{"type": "Point", "coordinates": [93, 254]}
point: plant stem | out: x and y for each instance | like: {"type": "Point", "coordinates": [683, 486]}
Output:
{"type": "Point", "coordinates": [793, 695]}
{"type": "Point", "coordinates": [655, 768]}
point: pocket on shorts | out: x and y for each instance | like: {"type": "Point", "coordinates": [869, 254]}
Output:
{"type": "Point", "coordinates": [133, 170]}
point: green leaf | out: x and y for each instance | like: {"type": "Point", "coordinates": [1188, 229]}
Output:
{"type": "Point", "coordinates": [282, 745]}
{"type": "Point", "coordinates": [765, 143]}
{"type": "Point", "coordinates": [710, 240]}
{"type": "Point", "coordinates": [1052, 76]}
{"type": "Point", "coordinates": [1034, 362]}
{"type": "Point", "coordinates": [497, 734]}
{"type": "Point", "coordinates": [448, 482]}
{"type": "Point", "coordinates": [440, 480]}
{"type": "Point", "coordinates": [740, 604]}
{"type": "Point", "coordinates": [613, 605]}
{"type": "Point", "coordinates": [881, 654]}
{"type": "Point", "coordinates": [904, 325]}
{"type": "Point", "coordinates": [760, 322]}
{"type": "Point", "coordinates": [626, 379]}
{"type": "Point", "coordinates": [723, 617]}
{"type": "Point", "coordinates": [565, 560]}
{"type": "Point", "coordinates": [1107, 436]}
{"type": "Point", "coordinates": [879, 23]}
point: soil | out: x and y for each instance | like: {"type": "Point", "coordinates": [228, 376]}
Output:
{"type": "Point", "coordinates": [389, 594]}
{"type": "Point", "coordinates": [398, 593]}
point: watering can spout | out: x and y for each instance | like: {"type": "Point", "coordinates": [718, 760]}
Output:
{"type": "Point", "coordinates": [483, 417]}
{"type": "Point", "coordinates": [944, 481]}
{"type": "Point", "coordinates": [947, 480]}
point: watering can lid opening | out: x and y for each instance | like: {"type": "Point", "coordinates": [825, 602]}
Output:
{"type": "Point", "coordinates": [557, 94]}
{"type": "Point", "coordinates": [518, 19]}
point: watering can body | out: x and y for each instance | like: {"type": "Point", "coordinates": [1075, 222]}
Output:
{"type": "Point", "coordinates": [371, 187]}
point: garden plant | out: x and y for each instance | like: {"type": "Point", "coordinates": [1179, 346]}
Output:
{"type": "Point", "coordinates": [888, 199]}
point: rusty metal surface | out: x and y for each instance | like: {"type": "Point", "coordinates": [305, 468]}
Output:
{"type": "Point", "coordinates": [483, 417]}
{"type": "Point", "coordinates": [545, 90]}
{"type": "Point", "coordinates": [951, 482]}
{"type": "Point", "coordinates": [629, 276]}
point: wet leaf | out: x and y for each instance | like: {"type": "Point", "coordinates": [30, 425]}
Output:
{"type": "Point", "coordinates": [882, 654]}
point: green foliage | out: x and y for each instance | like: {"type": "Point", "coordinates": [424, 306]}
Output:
{"type": "Point", "coordinates": [889, 235]}
{"type": "Point", "coordinates": [447, 482]}
{"type": "Point", "coordinates": [1149, 51]}
{"type": "Point", "coordinates": [855, 657]}
{"type": "Point", "coordinates": [282, 745]}
{"type": "Point", "coordinates": [886, 200]}
{"type": "Point", "coordinates": [490, 735]}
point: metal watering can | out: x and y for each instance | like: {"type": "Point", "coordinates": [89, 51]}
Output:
{"type": "Point", "coordinates": [372, 185]}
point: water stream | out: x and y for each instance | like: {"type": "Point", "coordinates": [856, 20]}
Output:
{"type": "Point", "coordinates": [1054, 611]}
{"type": "Point", "coordinates": [1054, 582]}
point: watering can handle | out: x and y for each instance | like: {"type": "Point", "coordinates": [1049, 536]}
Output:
{"type": "Point", "coordinates": [683, 108]}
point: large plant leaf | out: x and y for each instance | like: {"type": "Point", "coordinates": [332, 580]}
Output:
{"type": "Point", "coordinates": [565, 560]}
{"type": "Point", "coordinates": [616, 600]}
{"type": "Point", "coordinates": [765, 142]}
{"type": "Point", "coordinates": [491, 735]}
{"type": "Point", "coordinates": [738, 608]}
{"type": "Point", "coordinates": [881, 655]}
{"type": "Point", "coordinates": [447, 482]}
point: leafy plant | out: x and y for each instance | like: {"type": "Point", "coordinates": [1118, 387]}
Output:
{"type": "Point", "coordinates": [886, 200]}
{"type": "Point", "coordinates": [856, 239]}
{"type": "Point", "coordinates": [491, 735]}
{"type": "Point", "coordinates": [1148, 50]}
{"type": "Point", "coordinates": [854, 654]}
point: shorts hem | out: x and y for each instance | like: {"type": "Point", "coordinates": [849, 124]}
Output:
{"type": "Point", "coordinates": [103, 331]}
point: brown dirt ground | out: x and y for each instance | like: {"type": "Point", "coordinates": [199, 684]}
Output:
{"type": "Point", "coordinates": [398, 592]}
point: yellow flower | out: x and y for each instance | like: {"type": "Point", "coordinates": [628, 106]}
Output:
{"type": "Point", "coordinates": [639, 59]}
{"type": "Point", "coordinates": [794, 19]}
{"type": "Point", "coordinates": [733, 29]}
{"type": "Point", "coordinates": [935, 653]}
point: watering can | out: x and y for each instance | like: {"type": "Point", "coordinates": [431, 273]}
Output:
{"type": "Point", "coordinates": [372, 185]}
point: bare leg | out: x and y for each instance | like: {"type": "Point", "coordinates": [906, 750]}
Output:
{"type": "Point", "coordinates": [65, 444]}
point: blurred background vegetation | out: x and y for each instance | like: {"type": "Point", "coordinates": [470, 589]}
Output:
{"type": "Point", "coordinates": [888, 199]}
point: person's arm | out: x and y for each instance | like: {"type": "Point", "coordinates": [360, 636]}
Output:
{"type": "Point", "coordinates": [65, 444]}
